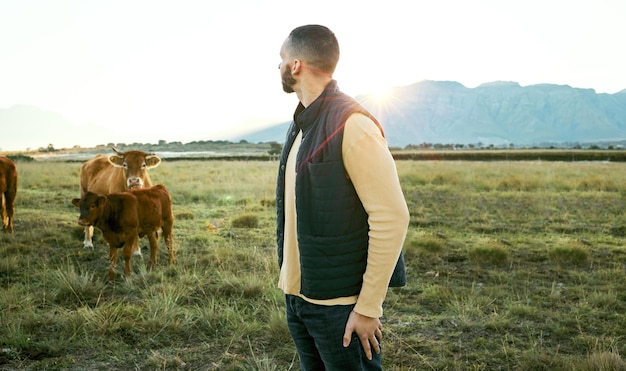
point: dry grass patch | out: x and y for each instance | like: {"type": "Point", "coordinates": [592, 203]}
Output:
{"type": "Point", "coordinates": [511, 266]}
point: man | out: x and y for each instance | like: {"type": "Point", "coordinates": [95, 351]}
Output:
{"type": "Point", "coordinates": [341, 214]}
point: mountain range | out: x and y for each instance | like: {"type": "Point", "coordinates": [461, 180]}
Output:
{"type": "Point", "coordinates": [497, 113]}
{"type": "Point", "coordinates": [427, 112]}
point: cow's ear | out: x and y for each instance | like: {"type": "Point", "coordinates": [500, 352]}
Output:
{"type": "Point", "coordinates": [152, 161]}
{"type": "Point", "coordinates": [116, 160]}
{"type": "Point", "coordinates": [75, 201]}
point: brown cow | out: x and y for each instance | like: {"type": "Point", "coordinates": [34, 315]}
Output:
{"type": "Point", "coordinates": [114, 174]}
{"type": "Point", "coordinates": [126, 216]}
{"type": "Point", "coordinates": [8, 191]}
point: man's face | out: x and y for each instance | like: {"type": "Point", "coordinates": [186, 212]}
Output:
{"type": "Point", "coordinates": [285, 70]}
{"type": "Point", "coordinates": [287, 78]}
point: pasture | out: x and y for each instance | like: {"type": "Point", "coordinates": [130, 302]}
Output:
{"type": "Point", "coordinates": [511, 266]}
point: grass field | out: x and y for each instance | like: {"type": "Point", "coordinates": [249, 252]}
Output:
{"type": "Point", "coordinates": [511, 266]}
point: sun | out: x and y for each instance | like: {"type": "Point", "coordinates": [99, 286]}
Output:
{"type": "Point", "coordinates": [380, 98]}
{"type": "Point", "coordinates": [381, 94]}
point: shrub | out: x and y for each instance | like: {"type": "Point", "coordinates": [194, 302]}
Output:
{"type": "Point", "coordinates": [574, 255]}
{"type": "Point", "coordinates": [268, 202]}
{"type": "Point", "coordinates": [428, 244]}
{"type": "Point", "coordinates": [246, 221]}
{"type": "Point", "coordinates": [602, 361]}
{"type": "Point", "coordinates": [489, 255]}
{"type": "Point", "coordinates": [184, 215]}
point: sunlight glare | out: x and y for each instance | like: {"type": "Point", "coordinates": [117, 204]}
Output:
{"type": "Point", "coordinates": [381, 94]}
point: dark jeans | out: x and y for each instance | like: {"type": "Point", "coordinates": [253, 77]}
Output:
{"type": "Point", "coordinates": [317, 332]}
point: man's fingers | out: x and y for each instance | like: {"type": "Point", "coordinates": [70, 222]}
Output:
{"type": "Point", "coordinates": [369, 331]}
{"type": "Point", "coordinates": [374, 341]}
{"type": "Point", "coordinates": [347, 336]}
{"type": "Point", "coordinates": [365, 343]}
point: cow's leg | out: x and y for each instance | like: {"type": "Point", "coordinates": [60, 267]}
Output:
{"type": "Point", "coordinates": [3, 212]}
{"type": "Point", "coordinates": [154, 246]}
{"type": "Point", "coordinates": [88, 243]}
{"type": "Point", "coordinates": [113, 262]}
{"type": "Point", "coordinates": [137, 249]}
{"type": "Point", "coordinates": [9, 201]}
{"type": "Point", "coordinates": [8, 227]}
{"type": "Point", "coordinates": [169, 241]}
{"type": "Point", "coordinates": [127, 253]}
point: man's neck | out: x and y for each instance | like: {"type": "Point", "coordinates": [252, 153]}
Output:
{"type": "Point", "coordinates": [311, 90]}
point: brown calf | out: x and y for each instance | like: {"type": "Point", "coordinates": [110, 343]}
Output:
{"type": "Point", "coordinates": [8, 191]}
{"type": "Point", "coordinates": [126, 216]}
{"type": "Point", "coordinates": [114, 174]}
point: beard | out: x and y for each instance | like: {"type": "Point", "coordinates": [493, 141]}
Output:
{"type": "Point", "coordinates": [288, 80]}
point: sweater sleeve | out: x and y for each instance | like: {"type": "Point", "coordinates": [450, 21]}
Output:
{"type": "Point", "coordinates": [372, 169]}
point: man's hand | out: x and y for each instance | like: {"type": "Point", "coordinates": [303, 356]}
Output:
{"type": "Point", "coordinates": [368, 329]}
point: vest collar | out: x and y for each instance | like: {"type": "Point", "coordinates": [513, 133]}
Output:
{"type": "Point", "coordinates": [305, 117]}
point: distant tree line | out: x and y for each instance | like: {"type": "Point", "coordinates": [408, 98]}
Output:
{"type": "Point", "coordinates": [479, 145]}
{"type": "Point", "coordinates": [273, 149]}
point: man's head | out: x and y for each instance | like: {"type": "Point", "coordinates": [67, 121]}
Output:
{"type": "Point", "coordinates": [311, 47]}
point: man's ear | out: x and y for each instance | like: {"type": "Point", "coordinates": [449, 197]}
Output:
{"type": "Point", "coordinates": [296, 66]}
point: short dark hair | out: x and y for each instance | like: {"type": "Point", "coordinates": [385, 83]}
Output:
{"type": "Point", "coordinates": [316, 45]}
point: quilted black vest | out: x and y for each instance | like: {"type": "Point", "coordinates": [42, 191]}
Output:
{"type": "Point", "coordinates": [332, 224]}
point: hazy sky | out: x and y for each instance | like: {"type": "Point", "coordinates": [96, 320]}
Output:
{"type": "Point", "coordinates": [197, 70]}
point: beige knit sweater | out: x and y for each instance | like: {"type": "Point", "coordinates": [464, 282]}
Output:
{"type": "Point", "coordinates": [372, 169]}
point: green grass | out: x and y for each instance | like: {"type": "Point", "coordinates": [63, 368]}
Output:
{"type": "Point", "coordinates": [511, 266]}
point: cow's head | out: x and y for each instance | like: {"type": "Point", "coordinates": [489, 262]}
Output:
{"type": "Point", "coordinates": [135, 165]}
{"type": "Point", "coordinates": [91, 206]}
